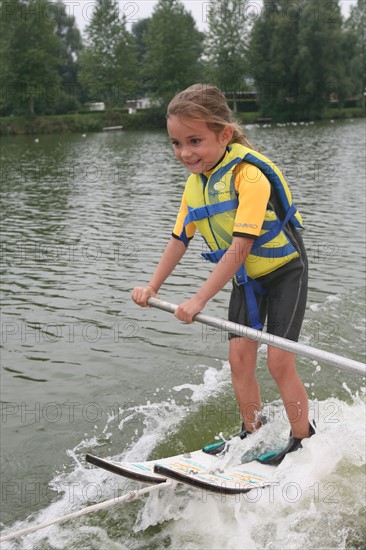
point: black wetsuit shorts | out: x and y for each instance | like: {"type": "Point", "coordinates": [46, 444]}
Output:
{"type": "Point", "coordinates": [284, 304]}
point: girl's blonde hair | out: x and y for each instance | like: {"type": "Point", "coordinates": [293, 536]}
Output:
{"type": "Point", "coordinates": [207, 103]}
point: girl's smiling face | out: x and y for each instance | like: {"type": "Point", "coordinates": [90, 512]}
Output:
{"type": "Point", "coordinates": [195, 145]}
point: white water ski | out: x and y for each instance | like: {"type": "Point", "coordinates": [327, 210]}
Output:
{"type": "Point", "coordinates": [140, 471]}
{"type": "Point", "coordinates": [198, 469]}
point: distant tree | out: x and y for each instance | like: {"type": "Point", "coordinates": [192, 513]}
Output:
{"type": "Point", "coordinates": [108, 61]}
{"type": "Point", "coordinates": [173, 50]}
{"type": "Point", "coordinates": [320, 66]}
{"type": "Point", "coordinates": [139, 30]}
{"type": "Point", "coordinates": [7, 23]}
{"type": "Point", "coordinates": [296, 57]}
{"type": "Point", "coordinates": [70, 45]}
{"type": "Point", "coordinates": [260, 65]}
{"type": "Point", "coordinates": [354, 50]}
{"type": "Point", "coordinates": [30, 54]}
{"type": "Point", "coordinates": [226, 45]}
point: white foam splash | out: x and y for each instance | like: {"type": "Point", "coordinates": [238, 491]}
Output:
{"type": "Point", "coordinates": [213, 382]}
{"type": "Point", "coordinates": [319, 490]}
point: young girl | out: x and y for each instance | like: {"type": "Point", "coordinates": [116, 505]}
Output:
{"type": "Point", "coordinates": [240, 203]}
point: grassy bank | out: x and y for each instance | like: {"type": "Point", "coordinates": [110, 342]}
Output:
{"type": "Point", "coordinates": [80, 123]}
{"type": "Point", "coordinates": [142, 120]}
{"type": "Point", "coordinates": [328, 114]}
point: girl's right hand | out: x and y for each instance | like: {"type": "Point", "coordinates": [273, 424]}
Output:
{"type": "Point", "coordinates": [140, 295]}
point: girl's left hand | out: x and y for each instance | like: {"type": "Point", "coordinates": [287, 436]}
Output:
{"type": "Point", "coordinates": [186, 311]}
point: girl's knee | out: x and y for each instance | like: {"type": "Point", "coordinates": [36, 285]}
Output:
{"type": "Point", "coordinates": [278, 372]}
{"type": "Point", "coordinates": [281, 364]}
{"type": "Point", "coordinates": [243, 356]}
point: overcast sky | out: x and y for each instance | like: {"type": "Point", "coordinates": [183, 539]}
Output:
{"type": "Point", "coordinates": [139, 9]}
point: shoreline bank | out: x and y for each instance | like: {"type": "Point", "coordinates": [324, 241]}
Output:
{"type": "Point", "coordinates": [143, 120]}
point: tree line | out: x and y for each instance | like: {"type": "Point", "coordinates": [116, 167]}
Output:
{"type": "Point", "coordinates": [294, 57]}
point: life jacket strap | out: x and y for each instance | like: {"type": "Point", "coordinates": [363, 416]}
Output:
{"type": "Point", "coordinates": [275, 230]}
{"type": "Point", "coordinates": [274, 252]}
{"type": "Point", "coordinates": [268, 170]}
{"type": "Point", "coordinates": [183, 237]}
{"type": "Point", "coordinates": [208, 210]}
{"type": "Point", "coordinates": [214, 256]}
{"type": "Point", "coordinates": [251, 287]}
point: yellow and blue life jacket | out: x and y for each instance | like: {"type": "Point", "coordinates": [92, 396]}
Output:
{"type": "Point", "coordinates": [212, 203]}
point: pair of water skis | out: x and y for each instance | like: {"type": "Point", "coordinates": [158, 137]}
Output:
{"type": "Point", "coordinates": [197, 469]}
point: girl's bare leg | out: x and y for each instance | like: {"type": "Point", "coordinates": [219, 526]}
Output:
{"type": "Point", "coordinates": [282, 367]}
{"type": "Point", "coordinates": [281, 364]}
{"type": "Point", "coordinates": [243, 362]}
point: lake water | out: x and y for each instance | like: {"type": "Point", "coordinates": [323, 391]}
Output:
{"type": "Point", "coordinates": [84, 220]}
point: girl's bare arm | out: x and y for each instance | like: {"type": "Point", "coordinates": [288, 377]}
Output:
{"type": "Point", "coordinates": [171, 256]}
